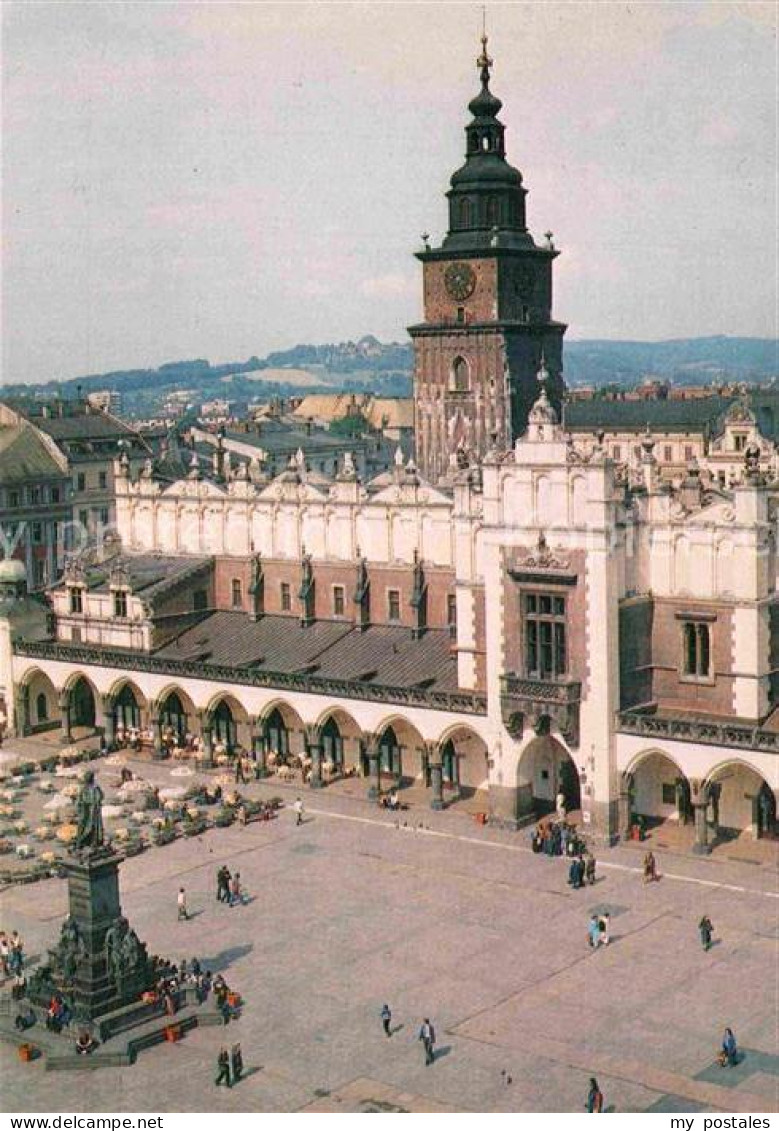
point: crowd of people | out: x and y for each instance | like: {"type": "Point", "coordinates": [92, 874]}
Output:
{"type": "Point", "coordinates": [557, 837]}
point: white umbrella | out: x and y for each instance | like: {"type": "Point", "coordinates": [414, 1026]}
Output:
{"type": "Point", "coordinates": [135, 785]}
{"type": "Point", "coordinates": [172, 793]}
{"type": "Point", "coordinates": [59, 801]}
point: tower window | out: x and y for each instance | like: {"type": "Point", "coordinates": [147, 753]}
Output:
{"type": "Point", "coordinates": [465, 213]}
{"type": "Point", "coordinates": [474, 139]}
{"type": "Point", "coordinates": [451, 614]}
{"type": "Point", "coordinates": [460, 314]}
{"type": "Point", "coordinates": [544, 626]}
{"type": "Point", "coordinates": [696, 658]}
{"type": "Point", "coordinates": [286, 597]}
{"type": "Point", "coordinates": [339, 600]}
{"type": "Point", "coordinates": [486, 143]}
{"type": "Point", "coordinates": [237, 595]}
{"type": "Point", "coordinates": [461, 378]}
{"type": "Point", "coordinates": [393, 604]}
{"type": "Point", "coordinates": [492, 210]}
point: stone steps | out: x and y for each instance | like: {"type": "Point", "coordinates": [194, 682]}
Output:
{"type": "Point", "coordinates": [119, 1051]}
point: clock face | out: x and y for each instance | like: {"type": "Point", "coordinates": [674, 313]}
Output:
{"type": "Point", "coordinates": [459, 280]}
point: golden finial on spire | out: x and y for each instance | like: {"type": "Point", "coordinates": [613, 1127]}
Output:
{"type": "Point", "coordinates": [484, 62]}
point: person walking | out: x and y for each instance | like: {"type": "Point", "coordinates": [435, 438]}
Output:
{"type": "Point", "coordinates": [236, 895]}
{"type": "Point", "coordinates": [705, 929]}
{"type": "Point", "coordinates": [427, 1037]}
{"type": "Point", "coordinates": [386, 1019]}
{"type": "Point", "coordinates": [604, 927]}
{"type": "Point", "coordinates": [589, 869]}
{"type": "Point", "coordinates": [223, 884]}
{"type": "Point", "coordinates": [593, 932]}
{"type": "Point", "coordinates": [560, 806]}
{"type": "Point", "coordinates": [594, 1097]}
{"type": "Point", "coordinates": [181, 902]}
{"type": "Point", "coordinates": [298, 807]}
{"type": "Point", "coordinates": [729, 1054]}
{"type": "Point", "coordinates": [223, 1068]}
{"type": "Point", "coordinates": [236, 1062]}
{"type": "Point", "coordinates": [650, 868]}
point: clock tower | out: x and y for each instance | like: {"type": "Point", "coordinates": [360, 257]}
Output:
{"type": "Point", "coordinates": [488, 325]}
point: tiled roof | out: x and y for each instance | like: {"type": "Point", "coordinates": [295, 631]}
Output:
{"type": "Point", "coordinates": [24, 456]}
{"type": "Point", "coordinates": [661, 416]}
{"type": "Point", "coordinates": [88, 426]}
{"type": "Point", "coordinates": [146, 573]}
{"type": "Point", "coordinates": [694, 415]}
{"type": "Point", "coordinates": [391, 412]}
{"type": "Point", "coordinates": [382, 655]}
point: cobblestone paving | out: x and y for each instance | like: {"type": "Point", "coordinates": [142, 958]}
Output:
{"type": "Point", "coordinates": [450, 921]}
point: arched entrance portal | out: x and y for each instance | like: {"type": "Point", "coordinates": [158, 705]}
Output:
{"type": "Point", "coordinates": [174, 716]}
{"type": "Point", "coordinates": [390, 756]}
{"type": "Point", "coordinates": [463, 760]}
{"type": "Point", "coordinates": [276, 733]}
{"type": "Point", "coordinates": [224, 729]}
{"type": "Point", "coordinates": [39, 704]}
{"type": "Point", "coordinates": [127, 710]}
{"type": "Point", "coordinates": [658, 790]}
{"type": "Point", "coordinates": [332, 743]}
{"type": "Point", "coordinates": [82, 704]}
{"type": "Point", "coordinates": [740, 800]}
{"type": "Point", "coordinates": [546, 769]}
{"type": "Point", "coordinates": [400, 749]}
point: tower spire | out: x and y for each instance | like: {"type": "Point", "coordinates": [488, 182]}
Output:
{"type": "Point", "coordinates": [484, 62]}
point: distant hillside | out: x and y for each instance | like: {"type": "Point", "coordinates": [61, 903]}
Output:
{"type": "Point", "coordinates": [385, 369]}
{"type": "Point", "coordinates": [687, 361]}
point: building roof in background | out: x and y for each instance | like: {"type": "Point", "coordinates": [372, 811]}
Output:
{"type": "Point", "coordinates": [694, 415]}
{"type": "Point", "coordinates": [25, 455]}
{"type": "Point", "coordinates": [390, 412]}
{"type": "Point", "coordinates": [86, 426]}
{"type": "Point", "coordinates": [328, 406]}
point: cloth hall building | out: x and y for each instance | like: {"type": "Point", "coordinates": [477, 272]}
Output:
{"type": "Point", "coordinates": [509, 614]}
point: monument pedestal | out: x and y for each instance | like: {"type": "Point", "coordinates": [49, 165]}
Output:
{"type": "Point", "coordinates": [99, 964]}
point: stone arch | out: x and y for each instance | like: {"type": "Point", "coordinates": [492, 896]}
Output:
{"type": "Point", "coordinates": [340, 737]}
{"type": "Point", "coordinates": [401, 749]}
{"type": "Point", "coordinates": [578, 498]}
{"type": "Point", "coordinates": [229, 722]}
{"type": "Point", "coordinates": [546, 767]}
{"type": "Point", "coordinates": [542, 497]}
{"type": "Point", "coordinates": [740, 799]}
{"type": "Point", "coordinates": [460, 376]}
{"type": "Point", "coordinates": [658, 788]}
{"type": "Point", "coordinates": [176, 712]}
{"type": "Point", "coordinates": [128, 705]}
{"type": "Point", "coordinates": [39, 706]}
{"type": "Point", "coordinates": [464, 755]}
{"type": "Point", "coordinates": [282, 728]}
{"type": "Point", "coordinates": [82, 697]}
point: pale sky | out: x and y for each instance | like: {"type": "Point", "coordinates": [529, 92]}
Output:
{"type": "Point", "coordinates": [219, 179]}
